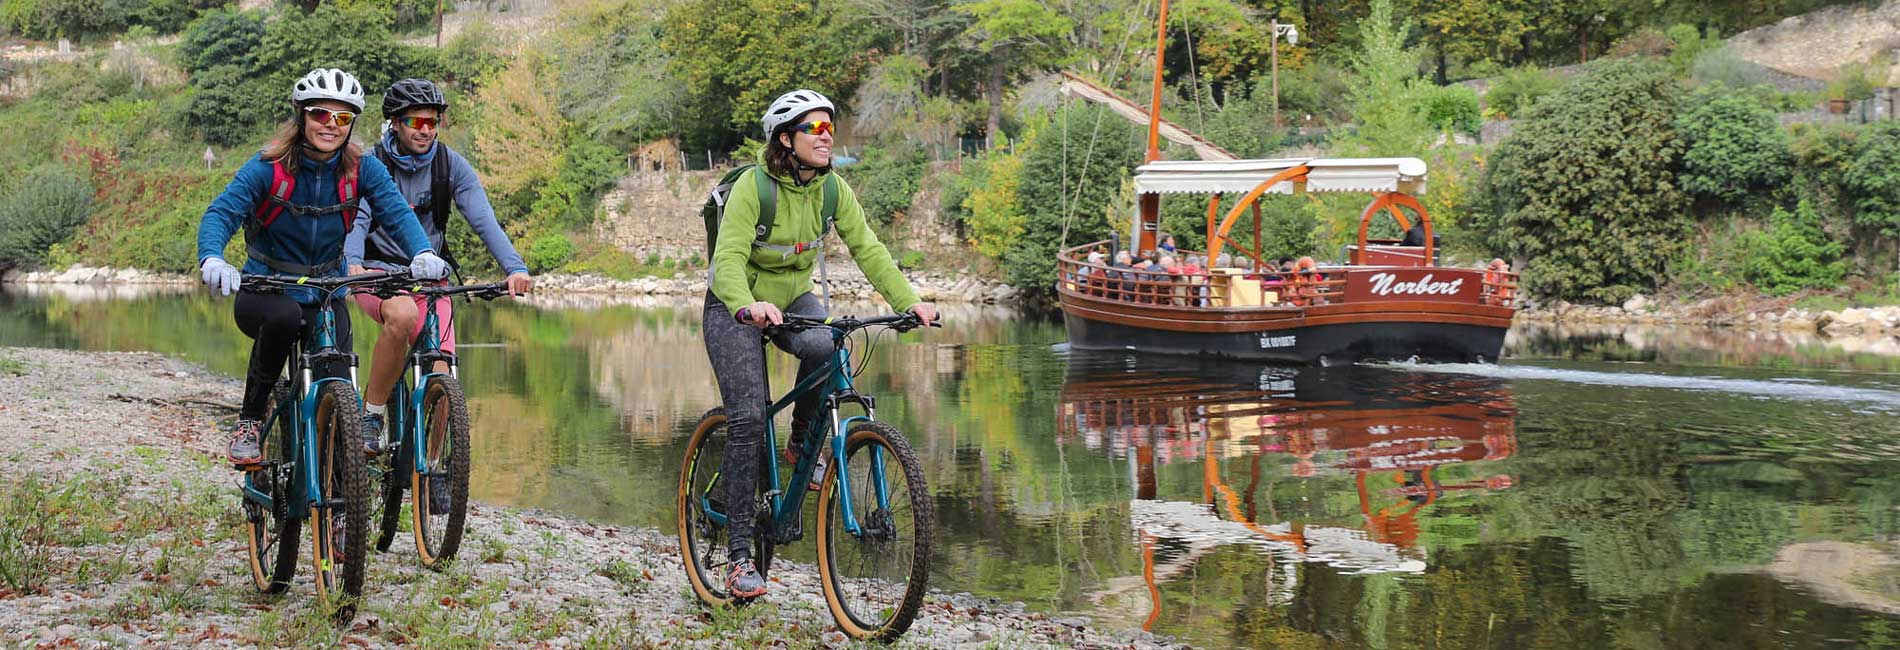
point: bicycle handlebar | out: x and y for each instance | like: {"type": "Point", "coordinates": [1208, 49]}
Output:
{"type": "Point", "coordinates": [488, 291]}
{"type": "Point", "coordinates": [843, 325]}
{"type": "Point", "coordinates": [277, 283]}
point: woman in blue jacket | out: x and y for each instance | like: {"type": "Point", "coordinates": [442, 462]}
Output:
{"type": "Point", "coordinates": [295, 201]}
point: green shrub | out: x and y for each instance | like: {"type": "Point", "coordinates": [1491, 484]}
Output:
{"type": "Point", "coordinates": [1514, 93]}
{"type": "Point", "coordinates": [1718, 263]}
{"type": "Point", "coordinates": [1076, 205]}
{"type": "Point", "coordinates": [40, 210]}
{"type": "Point", "coordinates": [885, 181]}
{"type": "Point", "coordinates": [474, 54]}
{"type": "Point", "coordinates": [549, 252]}
{"type": "Point", "coordinates": [1733, 146]}
{"type": "Point", "coordinates": [1598, 217]}
{"type": "Point", "coordinates": [1857, 81]}
{"type": "Point", "coordinates": [1452, 108]}
{"type": "Point", "coordinates": [1794, 254]}
{"type": "Point", "coordinates": [1872, 179]}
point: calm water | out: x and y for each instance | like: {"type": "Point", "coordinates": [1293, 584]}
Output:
{"type": "Point", "coordinates": [1610, 488]}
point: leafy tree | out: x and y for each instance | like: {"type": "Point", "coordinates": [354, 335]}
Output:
{"type": "Point", "coordinates": [885, 181]}
{"type": "Point", "coordinates": [1385, 100]}
{"type": "Point", "coordinates": [1474, 31]}
{"type": "Point", "coordinates": [989, 203]}
{"type": "Point", "coordinates": [1733, 147]}
{"type": "Point", "coordinates": [1015, 36]}
{"type": "Point", "coordinates": [1795, 254]}
{"type": "Point", "coordinates": [1586, 189]}
{"type": "Point", "coordinates": [1075, 206]}
{"type": "Point", "coordinates": [736, 56]}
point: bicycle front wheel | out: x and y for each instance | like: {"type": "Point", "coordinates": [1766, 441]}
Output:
{"type": "Point", "coordinates": [270, 534]}
{"type": "Point", "coordinates": [339, 527]}
{"type": "Point", "coordinates": [440, 495]}
{"type": "Point", "coordinates": [389, 476]}
{"type": "Point", "coordinates": [874, 575]}
{"type": "Point", "coordinates": [703, 539]}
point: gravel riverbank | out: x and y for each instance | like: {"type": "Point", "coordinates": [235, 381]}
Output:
{"type": "Point", "coordinates": [117, 523]}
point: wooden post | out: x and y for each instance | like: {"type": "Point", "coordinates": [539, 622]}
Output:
{"type": "Point", "coordinates": [1256, 234]}
{"type": "Point", "coordinates": [709, 164]}
{"type": "Point", "coordinates": [438, 23]}
{"type": "Point", "coordinates": [1151, 203]}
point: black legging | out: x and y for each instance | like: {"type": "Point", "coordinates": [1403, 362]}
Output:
{"type": "Point", "coordinates": [274, 321]}
{"type": "Point", "coordinates": [738, 361]}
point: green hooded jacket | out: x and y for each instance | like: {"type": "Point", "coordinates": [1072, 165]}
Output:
{"type": "Point", "coordinates": [742, 274]}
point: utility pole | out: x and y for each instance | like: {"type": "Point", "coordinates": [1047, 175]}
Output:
{"type": "Point", "coordinates": [1292, 36]}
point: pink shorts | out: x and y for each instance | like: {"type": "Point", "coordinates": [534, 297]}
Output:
{"type": "Point", "coordinates": [373, 306]}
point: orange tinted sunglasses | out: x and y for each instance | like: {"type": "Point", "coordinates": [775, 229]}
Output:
{"type": "Point", "coordinates": [418, 122]}
{"type": "Point", "coordinates": [815, 127]}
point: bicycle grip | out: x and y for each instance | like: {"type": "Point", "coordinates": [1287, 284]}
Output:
{"type": "Point", "coordinates": [744, 315]}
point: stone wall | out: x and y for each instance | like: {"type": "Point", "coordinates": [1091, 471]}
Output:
{"type": "Point", "coordinates": [657, 213]}
{"type": "Point", "coordinates": [1818, 43]}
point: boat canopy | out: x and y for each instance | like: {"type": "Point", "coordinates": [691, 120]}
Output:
{"type": "Point", "coordinates": [1405, 175]}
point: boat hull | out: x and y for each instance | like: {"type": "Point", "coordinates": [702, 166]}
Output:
{"type": "Point", "coordinates": [1302, 343]}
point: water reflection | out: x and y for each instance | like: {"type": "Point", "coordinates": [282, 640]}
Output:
{"type": "Point", "coordinates": [1388, 432]}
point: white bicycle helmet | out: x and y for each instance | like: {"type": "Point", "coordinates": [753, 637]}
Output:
{"type": "Point", "coordinates": [328, 83]}
{"type": "Point", "coordinates": [791, 105]}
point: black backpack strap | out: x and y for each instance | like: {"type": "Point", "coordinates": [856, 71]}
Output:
{"type": "Point", "coordinates": [440, 194]}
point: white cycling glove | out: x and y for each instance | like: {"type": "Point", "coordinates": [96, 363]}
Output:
{"type": "Point", "coordinates": [219, 275]}
{"type": "Point", "coordinates": [428, 267]}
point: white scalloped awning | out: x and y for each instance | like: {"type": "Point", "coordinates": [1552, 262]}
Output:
{"type": "Point", "coordinates": [1241, 176]}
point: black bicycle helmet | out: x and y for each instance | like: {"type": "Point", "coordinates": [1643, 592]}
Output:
{"type": "Point", "coordinates": [410, 93]}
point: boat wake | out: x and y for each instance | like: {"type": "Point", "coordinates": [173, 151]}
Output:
{"type": "Point", "coordinates": [1793, 388]}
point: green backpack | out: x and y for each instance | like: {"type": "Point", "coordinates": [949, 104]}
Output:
{"type": "Point", "coordinates": [715, 209]}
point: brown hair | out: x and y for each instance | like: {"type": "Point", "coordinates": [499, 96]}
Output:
{"type": "Point", "coordinates": [288, 140]}
{"type": "Point", "coordinates": [779, 158]}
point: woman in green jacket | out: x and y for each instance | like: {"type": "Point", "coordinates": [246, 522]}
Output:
{"type": "Point", "coordinates": [762, 280]}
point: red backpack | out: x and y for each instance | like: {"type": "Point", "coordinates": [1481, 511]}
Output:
{"type": "Point", "coordinates": [277, 201]}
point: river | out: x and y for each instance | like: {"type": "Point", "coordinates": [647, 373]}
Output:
{"type": "Point", "coordinates": [1615, 487]}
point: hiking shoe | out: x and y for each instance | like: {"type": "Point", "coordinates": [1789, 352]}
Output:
{"type": "Point", "coordinates": [245, 448]}
{"type": "Point", "coordinates": [372, 434]}
{"type": "Point", "coordinates": [744, 582]}
{"type": "Point", "coordinates": [438, 494]}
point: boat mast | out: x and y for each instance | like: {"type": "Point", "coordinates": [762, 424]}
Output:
{"type": "Point", "coordinates": [1149, 218]}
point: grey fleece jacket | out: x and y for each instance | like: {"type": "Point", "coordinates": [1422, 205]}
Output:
{"type": "Point", "coordinates": [378, 250]}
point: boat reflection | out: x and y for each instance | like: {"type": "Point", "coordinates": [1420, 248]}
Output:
{"type": "Point", "coordinates": [1388, 434]}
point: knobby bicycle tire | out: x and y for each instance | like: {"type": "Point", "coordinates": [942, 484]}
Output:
{"type": "Point", "coordinates": [880, 618]}
{"type": "Point", "coordinates": [386, 506]}
{"type": "Point", "coordinates": [704, 559]}
{"type": "Point", "coordinates": [445, 447]}
{"type": "Point", "coordinates": [271, 541]}
{"type": "Point", "coordinates": [339, 565]}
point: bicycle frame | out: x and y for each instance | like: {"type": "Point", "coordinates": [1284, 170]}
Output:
{"type": "Point", "coordinates": [305, 491]}
{"type": "Point", "coordinates": [419, 367]}
{"type": "Point", "coordinates": [835, 378]}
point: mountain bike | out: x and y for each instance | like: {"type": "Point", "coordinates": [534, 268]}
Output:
{"type": "Point", "coordinates": [427, 433]}
{"type": "Point", "coordinates": [312, 465]}
{"type": "Point", "coordinates": [875, 520]}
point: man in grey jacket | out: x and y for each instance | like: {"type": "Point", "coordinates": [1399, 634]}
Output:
{"type": "Point", "coordinates": [421, 167]}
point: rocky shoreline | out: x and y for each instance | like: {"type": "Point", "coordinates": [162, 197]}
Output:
{"type": "Point", "coordinates": [1758, 314]}
{"type": "Point", "coordinates": [120, 513]}
{"type": "Point", "coordinates": [846, 283]}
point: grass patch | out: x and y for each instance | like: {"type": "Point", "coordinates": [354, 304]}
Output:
{"type": "Point", "coordinates": [606, 260]}
{"type": "Point", "coordinates": [625, 573]}
{"type": "Point", "coordinates": [1822, 302]}
{"type": "Point", "coordinates": [13, 367]}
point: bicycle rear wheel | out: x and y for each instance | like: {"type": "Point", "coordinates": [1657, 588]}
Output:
{"type": "Point", "coordinates": [702, 539]}
{"type": "Point", "coordinates": [270, 534]}
{"type": "Point", "coordinates": [874, 578]}
{"type": "Point", "coordinates": [339, 533]}
{"type": "Point", "coordinates": [390, 476]}
{"type": "Point", "coordinates": [438, 518]}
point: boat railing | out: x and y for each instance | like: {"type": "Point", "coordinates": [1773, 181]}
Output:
{"type": "Point", "coordinates": [1251, 286]}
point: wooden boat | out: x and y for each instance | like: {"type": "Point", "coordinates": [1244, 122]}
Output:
{"type": "Point", "coordinates": [1387, 300]}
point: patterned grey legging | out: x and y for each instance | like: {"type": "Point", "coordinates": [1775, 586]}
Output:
{"type": "Point", "coordinates": [738, 361]}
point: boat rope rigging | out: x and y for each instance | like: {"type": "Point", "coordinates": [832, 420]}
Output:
{"type": "Point", "coordinates": [1068, 199]}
